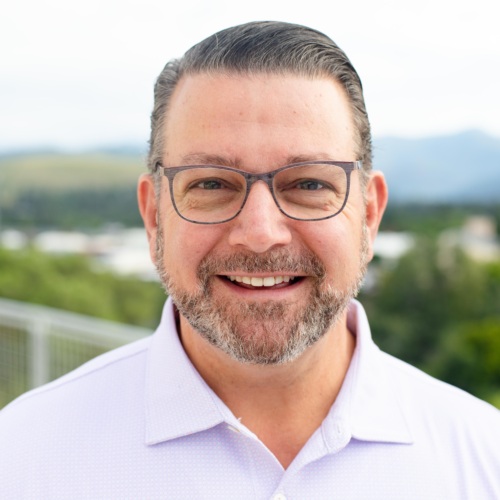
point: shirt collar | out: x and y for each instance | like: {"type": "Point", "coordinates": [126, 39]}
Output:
{"type": "Point", "coordinates": [368, 401]}
{"type": "Point", "coordinates": [179, 402]}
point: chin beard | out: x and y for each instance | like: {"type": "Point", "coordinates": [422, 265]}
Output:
{"type": "Point", "coordinates": [264, 333]}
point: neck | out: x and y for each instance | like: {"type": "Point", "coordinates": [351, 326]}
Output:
{"type": "Point", "coordinates": [282, 404]}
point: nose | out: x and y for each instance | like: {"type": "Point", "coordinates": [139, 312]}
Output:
{"type": "Point", "coordinates": [260, 225]}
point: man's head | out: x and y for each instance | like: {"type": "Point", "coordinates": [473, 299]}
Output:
{"type": "Point", "coordinates": [262, 287]}
{"type": "Point", "coordinates": [273, 48]}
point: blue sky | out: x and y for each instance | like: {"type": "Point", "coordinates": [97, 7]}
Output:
{"type": "Point", "coordinates": [75, 75]}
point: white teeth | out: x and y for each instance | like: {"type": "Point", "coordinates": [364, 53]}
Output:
{"type": "Point", "coordinates": [259, 282]}
{"type": "Point", "coordinates": [270, 281]}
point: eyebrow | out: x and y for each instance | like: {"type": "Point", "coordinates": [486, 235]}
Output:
{"type": "Point", "coordinates": [310, 157]}
{"type": "Point", "coordinates": [212, 159]}
{"type": "Point", "coordinates": [209, 159]}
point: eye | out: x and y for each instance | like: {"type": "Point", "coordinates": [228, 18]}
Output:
{"type": "Point", "coordinates": [310, 185]}
{"type": "Point", "coordinates": [208, 184]}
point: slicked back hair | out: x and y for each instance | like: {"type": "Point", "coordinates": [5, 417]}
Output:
{"type": "Point", "coordinates": [268, 47]}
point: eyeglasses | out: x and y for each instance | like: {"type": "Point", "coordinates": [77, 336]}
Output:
{"type": "Point", "coordinates": [308, 191]}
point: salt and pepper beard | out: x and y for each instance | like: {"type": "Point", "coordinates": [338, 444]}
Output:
{"type": "Point", "coordinates": [264, 333]}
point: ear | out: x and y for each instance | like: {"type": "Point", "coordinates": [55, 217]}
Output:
{"type": "Point", "coordinates": [376, 202]}
{"type": "Point", "coordinates": [148, 208]}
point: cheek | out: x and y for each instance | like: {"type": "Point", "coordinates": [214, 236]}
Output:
{"type": "Point", "coordinates": [337, 243]}
{"type": "Point", "coordinates": [185, 245]}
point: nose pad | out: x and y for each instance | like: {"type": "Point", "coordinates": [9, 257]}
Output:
{"type": "Point", "coordinates": [260, 225]}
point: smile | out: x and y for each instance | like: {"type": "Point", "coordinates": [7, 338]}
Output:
{"type": "Point", "coordinates": [265, 281]}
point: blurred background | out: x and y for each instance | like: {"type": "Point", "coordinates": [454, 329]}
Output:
{"type": "Point", "coordinates": [76, 82]}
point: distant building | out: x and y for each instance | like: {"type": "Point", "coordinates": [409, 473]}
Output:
{"type": "Point", "coordinates": [61, 242]}
{"type": "Point", "coordinates": [122, 251]}
{"type": "Point", "coordinates": [477, 238]}
{"type": "Point", "coordinates": [392, 245]}
{"type": "Point", "coordinates": [12, 239]}
{"type": "Point", "coordinates": [388, 248]}
{"type": "Point", "coordinates": [125, 252]}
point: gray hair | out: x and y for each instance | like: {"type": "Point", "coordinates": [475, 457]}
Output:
{"type": "Point", "coordinates": [270, 48]}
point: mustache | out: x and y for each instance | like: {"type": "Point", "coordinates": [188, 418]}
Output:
{"type": "Point", "coordinates": [272, 261]}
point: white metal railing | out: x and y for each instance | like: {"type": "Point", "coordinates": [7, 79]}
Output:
{"type": "Point", "coordinates": [39, 344]}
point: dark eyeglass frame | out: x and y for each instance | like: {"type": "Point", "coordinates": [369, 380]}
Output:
{"type": "Point", "coordinates": [267, 177]}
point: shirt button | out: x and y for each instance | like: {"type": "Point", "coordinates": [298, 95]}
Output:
{"type": "Point", "coordinates": [279, 496]}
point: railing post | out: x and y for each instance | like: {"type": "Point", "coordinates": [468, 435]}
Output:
{"type": "Point", "coordinates": [39, 351]}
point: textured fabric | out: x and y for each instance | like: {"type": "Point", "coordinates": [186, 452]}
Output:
{"type": "Point", "coordinates": [140, 423]}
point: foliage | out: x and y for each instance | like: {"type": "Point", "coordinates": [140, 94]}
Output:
{"type": "Point", "coordinates": [72, 284]}
{"type": "Point", "coordinates": [437, 310]}
{"type": "Point", "coordinates": [469, 355]}
{"type": "Point", "coordinates": [68, 191]}
{"type": "Point", "coordinates": [430, 219]}
{"type": "Point", "coordinates": [67, 172]}
{"type": "Point", "coordinates": [440, 311]}
{"type": "Point", "coordinates": [84, 208]}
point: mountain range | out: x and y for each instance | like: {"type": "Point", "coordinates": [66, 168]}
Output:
{"type": "Point", "coordinates": [458, 168]}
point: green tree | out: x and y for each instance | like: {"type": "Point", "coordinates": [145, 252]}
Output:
{"type": "Point", "coordinates": [469, 356]}
{"type": "Point", "coordinates": [71, 283]}
{"type": "Point", "coordinates": [438, 310]}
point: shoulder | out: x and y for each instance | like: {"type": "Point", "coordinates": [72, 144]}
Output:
{"type": "Point", "coordinates": [424, 388]}
{"type": "Point", "coordinates": [93, 380]}
{"type": "Point", "coordinates": [456, 432]}
{"type": "Point", "coordinates": [70, 424]}
{"type": "Point", "coordinates": [436, 407]}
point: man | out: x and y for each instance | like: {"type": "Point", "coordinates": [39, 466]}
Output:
{"type": "Point", "coordinates": [261, 381]}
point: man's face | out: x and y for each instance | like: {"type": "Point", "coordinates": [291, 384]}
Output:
{"type": "Point", "coordinates": [258, 124]}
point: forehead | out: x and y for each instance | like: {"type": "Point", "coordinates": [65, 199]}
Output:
{"type": "Point", "coordinates": [259, 117]}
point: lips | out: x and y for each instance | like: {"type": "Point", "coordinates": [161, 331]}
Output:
{"type": "Point", "coordinates": [262, 281]}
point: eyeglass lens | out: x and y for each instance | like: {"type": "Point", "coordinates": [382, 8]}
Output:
{"type": "Point", "coordinates": [304, 192]}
